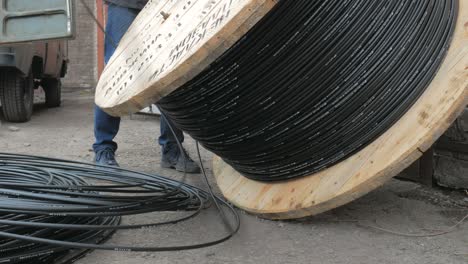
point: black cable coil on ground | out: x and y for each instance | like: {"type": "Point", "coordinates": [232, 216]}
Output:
{"type": "Point", "coordinates": [48, 206]}
{"type": "Point", "coordinates": [314, 82]}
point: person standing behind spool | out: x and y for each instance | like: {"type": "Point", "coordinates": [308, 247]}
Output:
{"type": "Point", "coordinates": [121, 14]}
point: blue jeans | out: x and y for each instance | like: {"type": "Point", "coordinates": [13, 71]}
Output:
{"type": "Point", "coordinates": [106, 126]}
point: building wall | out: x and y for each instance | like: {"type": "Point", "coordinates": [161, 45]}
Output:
{"type": "Point", "coordinates": [82, 69]}
{"type": "Point", "coordinates": [451, 159]}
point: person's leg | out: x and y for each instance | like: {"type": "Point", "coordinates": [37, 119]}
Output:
{"type": "Point", "coordinates": [167, 138]}
{"type": "Point", "coordinates": [106, 127]}
{"type": "Point", "coordinates": [172, 156]}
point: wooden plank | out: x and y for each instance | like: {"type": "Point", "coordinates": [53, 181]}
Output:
{"type": "Point", "coordinates": [365, 171]}
{"type": "Point", "coordinates": [421, 171]}
{"type": "Point", "coordinates": [100, 36]}
{"type": "Point", "coordinates": [426, 169]}
{"type": "Point", "coordinates": [169, 43]}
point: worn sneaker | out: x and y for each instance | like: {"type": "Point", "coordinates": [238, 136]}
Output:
{"type": "Point", "coordinates": [172, 158]}
{"type": "Point", "coordinates": [106, 157]}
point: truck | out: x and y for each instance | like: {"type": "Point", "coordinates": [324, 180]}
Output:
{"type": "Point", "coordinates": [33, 53]}
{"type": "Point", "coordinates": [26, 67]}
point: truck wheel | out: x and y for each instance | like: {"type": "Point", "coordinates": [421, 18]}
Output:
{"type": "Point", "coordinates": [17, 95]}
{"type": "Point", "coordinates": [53, 91]}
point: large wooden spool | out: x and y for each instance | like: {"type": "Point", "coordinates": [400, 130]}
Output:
{"type": "Point", "coordinates": [135, 79]}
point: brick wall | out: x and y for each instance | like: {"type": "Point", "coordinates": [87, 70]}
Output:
{"type": "Point", "coordinates": [82, 70]}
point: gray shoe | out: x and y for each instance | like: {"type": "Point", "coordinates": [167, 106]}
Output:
{"type": "Point", "coordinates": [173, 159]}
{"type": "Point", "coordinates": [106, 157]}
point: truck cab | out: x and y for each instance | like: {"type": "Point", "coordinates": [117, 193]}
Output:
{"type": "Point", "coordinates": [33, 53]}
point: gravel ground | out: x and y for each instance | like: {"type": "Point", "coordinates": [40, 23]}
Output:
{"type": "Point", "coordinates": [339, 236]}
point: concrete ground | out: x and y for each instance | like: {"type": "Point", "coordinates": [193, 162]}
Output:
{"type": "Point", "coordinates": [339, 236]}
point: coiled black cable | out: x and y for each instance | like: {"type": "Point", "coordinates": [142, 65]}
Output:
{"type": "Point", "coordinates": [48, 206]}
{"type": "Point", "coordinates": [313, 83]}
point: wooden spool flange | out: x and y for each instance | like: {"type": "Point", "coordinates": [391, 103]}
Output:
{"type": "Point", "coordinates": [168, 44]}
{"type": "Point", "coordinates": [141, 72]}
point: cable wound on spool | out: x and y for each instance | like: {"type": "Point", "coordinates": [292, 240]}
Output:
{"type": "Point", "coordinates": [313, 83]}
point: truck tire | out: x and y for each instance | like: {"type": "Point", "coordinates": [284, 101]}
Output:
{"type": "Point", "coordinates": [16, 95]}
{"type": "Point", "coordinates": [53, 91]}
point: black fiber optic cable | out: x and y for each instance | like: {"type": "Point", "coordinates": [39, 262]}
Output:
{"type": "Point", "coordinates": [48, 206]}
{"type": "Point", "coordinates": [313, 83]}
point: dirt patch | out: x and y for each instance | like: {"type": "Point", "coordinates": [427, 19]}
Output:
{"type": "Point", "coordinates": [333, 237]}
